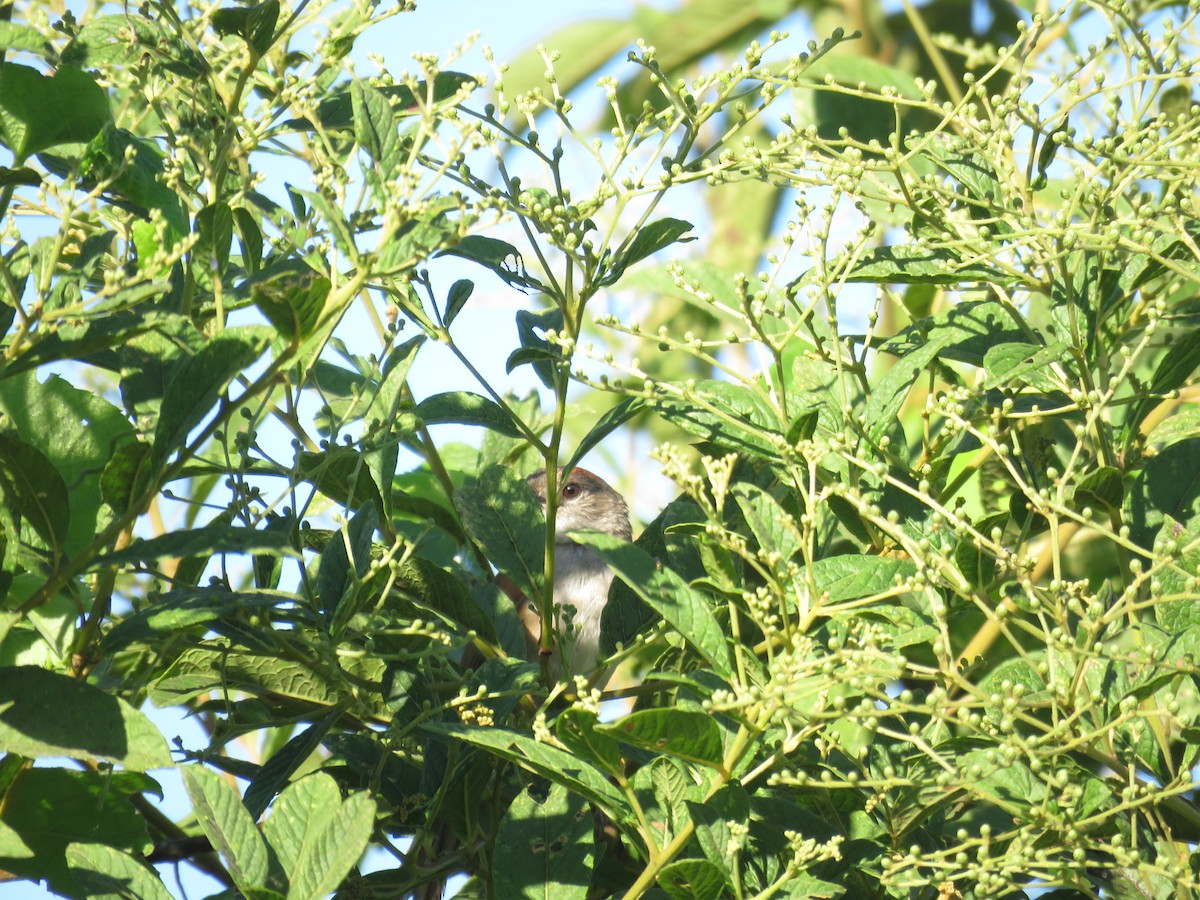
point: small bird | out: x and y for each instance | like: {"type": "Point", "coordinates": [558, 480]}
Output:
{"type": "Point", "coordinates": [581, 579]}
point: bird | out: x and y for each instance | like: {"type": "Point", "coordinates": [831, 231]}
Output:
{"type": "Point", "coordinates": [581, 579]}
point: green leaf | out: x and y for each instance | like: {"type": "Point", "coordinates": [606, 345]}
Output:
{"type": "Point", "coordinates": [1178, 610]}
{"type": "Point", "coordinates": [460, 293]}
{"type": "Point", "coordinates": [304, 811]}
{"type": "Point", "coordinates": [507, 629]}
{"type": "Point", "coordinates": [865, 118]}
{"type": "Point", "coordinates": [556, 765]}
{"type": "Point", "coordinates": [685, 610]}
{"type": "Point", "coordinates": [317, 835]}
{"type": "Point", "coordinates": [890, 392]}
{"type": "Point", "coordinates": [11, 845]}
{"type": "Point", "coordinates": [84, 339]}
{"type": "Point", "coordinates": [1163, 678]}
{"type": "Point", "coordinates": [292, 295]}
{"type": "Point", "coordinates": [729, 415]}
{"type": "Point", "coordinates": [1184, 423]}
{"type": "Point", "coordinates": [730, 806]}
{"type": "Point", "coordinates": [183, 608]}
{"type": "Point", "coordinates": [24, 38]}
{"type": "Point", "coordinates": [671, 784]}
{"type": "Point", "coordinates": [965, 332]}
{"type": "Point", "coordinates": [466, 408]}
{"type": "Point", "coordinates": [125, 476]}
{"type": "Point", "coordinates": [1095, 796]}
{"type": "Point", "coordinates": [1172, 372]}
{"type": "Point", "coordinates": [1045, 157]}
{"type": "Point", "coordinates": [38, 111]}
{"type": "Point", "coordinates": [1103, 488]}
{"type": "Point", "coordinates": [254, 24]}
{"type": "Point", "coordinates": [499, 256]}
{"type": "Point", "coordinates": [918, 299]}
{"type": "Point", "coordinates": [344, 563]}
{"type": "Point", "coordinates": [978, 565]}
{"type": "Point", "coordinates": [1024, 364]}
{"type": "Point", "coordinates": [205, 541]}
{"type": "Point", "coordinates": [803, 426]}
{"type": "Point", "coordinates": [207, 668]}
{"type": "Point", "coordinates": [920, 265]}
{"type": "Point", "coordinates": [87, 722]}
{"type": "Point", "coordinates": [1024, 514]}
{"type": "Point", "coordinates": [804, 886]}
{"type": "Point", "coordinates": [284, 762]}
{"type": "Point", "coordinates": [50, 809]}
{"type": "Point", "coordinates": [77, 431]}
{"type": "Point", "coordinates": [148, 349]}
{"type": "Point", "coordinates": [132, 167]}
{"type": "Point", "coordinates": [1010, 784]}
{"type": "Point", "coordinates": [547, 847]}
{"type": "Point", "coordinates": [983, 194]}
{"type": "Point", "coordinates": [445, 594]}
{"type": "Point", "coordinates": [437, 226]}
{"type": "Point", "coordinates": [1176, 102]}
{"type": "Point", "coordinates": [505, 519]}
{"type": "Point", "coordinates": [36, 491]}
{"type": "Point", "coordinates": [507, 681]}
{"type": "Point", "coordinates": [647, 241]}
{"type": "Point", "coordinates": [585, 46]}
{"type": "Point", "coordinates": [333, 381]}
{"type": "Point", "coordinates": [375, 127]}
{"type": "Point", "coordinates": [251, 238]}
{"type": "Point", "coordinates": [228, 825]}
{"type": "Point", "coordinates": [124, 40]}
{"type": "Point", "coordinates": [606, 425]}
{"type": "Point", "coordinates": [535, 349]}
{"type": "Point", "coordinates": [342, 474]}
{"type": "Point", "coordinates": [854, 576]}
{"type": "Point", "coordinates": [214, 237]}
{"type": "Point", "coordinates": [268, 568]}
{"type": "Point", "coordinates": [772, 527]}
{"type": "Point", "coordinates": [576, 729]}
{"type": "Point", "coordinates": [1142, 268]}
{"type": "Point", "coordinates": [543, 359]}
{"type": "Point", "coordinates": [683, 733]}
{"type": "Point", "coordinates": [897, 626]}
{"type": "Point", "coordinates": [336, 110]}
{"type": "Point", "coordinates": [198, 383]}
{"type": "Point", "coordinates": [699, 277]}
{"type": "Point", "coordinates": [108, 874]}
{"type": "Point", "coordinates": [692, 879]}
{"type": "Point", "coordinates": [847, 514]}
{"type": "Point", "coordinates": [1087, 285]}
{"type": "Point", "coordinates": [19, 177]}
{"type": "Point", "coordinates": [1169, 485]}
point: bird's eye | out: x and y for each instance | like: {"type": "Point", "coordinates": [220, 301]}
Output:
{"type": "Point", "coordinates": [571, 490]}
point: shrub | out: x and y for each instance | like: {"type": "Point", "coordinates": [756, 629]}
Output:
{"type": "Point", "coordinates": [920, 620]}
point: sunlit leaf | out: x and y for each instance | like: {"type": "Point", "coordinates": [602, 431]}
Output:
{"type": "Point", "coordinates": [88, 722]}
{"type": "Point", "coordinates": [39, 111]}
{"type": "Point", "coordinates": [228, 825]}
{"type": "Point", "coordinates": [549, 846]}
{"type": "Point", "coordinates": [664, 591]}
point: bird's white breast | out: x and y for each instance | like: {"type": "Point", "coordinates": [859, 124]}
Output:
{"type": "Point", "coordinates": [581, 584]}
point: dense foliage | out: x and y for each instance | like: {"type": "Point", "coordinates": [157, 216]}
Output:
{"type": "Point", "coordinates": [922, 620]}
